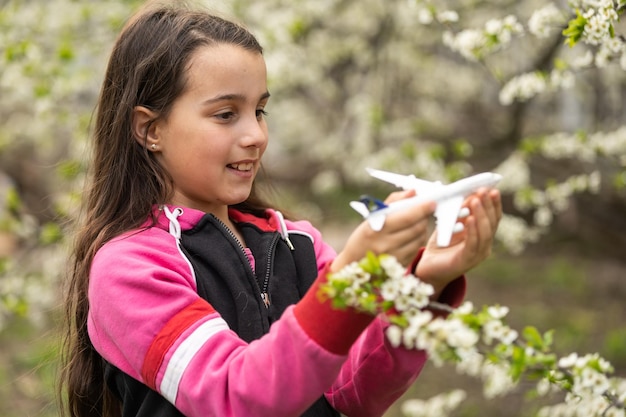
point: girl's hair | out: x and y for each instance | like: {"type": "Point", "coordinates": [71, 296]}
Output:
{"type": "Point", "coordinates": [147, 67]}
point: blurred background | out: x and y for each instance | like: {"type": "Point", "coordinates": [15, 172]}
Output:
{"type": "Point", "coordinates": [440, 90]}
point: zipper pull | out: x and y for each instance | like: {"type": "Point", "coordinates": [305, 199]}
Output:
{"type": "Point", "coordinates": [266, 299]}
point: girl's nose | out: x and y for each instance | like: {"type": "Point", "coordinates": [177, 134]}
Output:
{"type": "Point", "coordinates": [254, 132]}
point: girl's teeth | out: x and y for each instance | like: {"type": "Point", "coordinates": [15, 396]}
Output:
{"type": "Point", "coordinates": [242, 167]}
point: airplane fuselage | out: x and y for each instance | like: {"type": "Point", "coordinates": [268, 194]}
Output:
{"type": "Point", "coordinates": [439, 193]}
{"type": "Point", "coordinates": [463, 187]}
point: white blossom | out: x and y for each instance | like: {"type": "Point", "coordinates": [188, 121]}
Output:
{"type": "Point", "coordinates": [468, 43]}
{"type": "Point", "coordinates": [582, 61]}
{"type": "Point", "coordinates": [474, 44]}
{"type": "Point", "coordinates": [440, 405]}
{"type": "Point", "coordinates": [471, 363]}
{"type": "Point", "coordinates": [592, 381]}
{"type": "Point", "coordinates": [545, 21]}
{"type": "Point", "coordinates": [561, 79]}
{"type": "Point", "coordinates": [543, 387]}
{"type": "Point", "coordinates": [523, 87]}
{"type": "Point", "coordinates": [514, 233]}
{"type": "Point", "coordinates": [498, 312]}
{"type": "Point", "coordinates": [459, 335]}
{"type": "Point", "coordinates": [466, 308]}
{"type": "Point", "coordinates": [425, 16]}
{"type": "Point", "coordinates": [543, 216]}
{"type": "Point", "coordinates": [392, 267]}
{"type": "Point", "coordinates": [597, 27]}
{"type": "Point", "coordinates": [447, 16]}
{"type": "Point", "coordinates": [497, 380]}
{"type": "Point", "coordinates": [394, 335]}
{"type": "Point", "coordinates": [515, 172]}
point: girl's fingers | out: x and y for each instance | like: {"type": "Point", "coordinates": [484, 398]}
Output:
{"type": "Point", "coordinates": [496, 201]}
{"type": "Point", "coordinates": [409, 216]}
{"type": "Point", "coordinates": [405, 240]}
{"type": "Point", "coordinates": [487, 216]}
{"type": "Point", "coordinates": [399, 195]}
{"type": "Point", "coordinates": [488, 208]}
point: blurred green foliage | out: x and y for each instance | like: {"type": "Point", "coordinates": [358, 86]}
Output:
{"type": "Point", "coordinates": [29, 366]}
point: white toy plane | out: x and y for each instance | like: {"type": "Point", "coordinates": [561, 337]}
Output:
{"type": "Point", "coordinates": [449, 199]}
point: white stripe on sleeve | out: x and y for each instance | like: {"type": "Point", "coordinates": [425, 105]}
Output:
{"type": "Point", "coordinates": [184, 354]}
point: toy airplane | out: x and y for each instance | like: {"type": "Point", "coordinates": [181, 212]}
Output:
{"type": "Point", "coordinates": [449, 199]}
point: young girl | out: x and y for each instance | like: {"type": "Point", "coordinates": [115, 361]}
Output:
{"type": "Point", "coordinates": [189, 296]}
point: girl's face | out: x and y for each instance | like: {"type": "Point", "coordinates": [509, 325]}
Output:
{"type": "Point", "coordinates": [213, 140]}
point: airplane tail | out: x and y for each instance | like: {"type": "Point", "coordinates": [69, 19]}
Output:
{"type": "Point", "coordinates": [376, 220]}
{"type": "Point", "coordinates": [360, 208]}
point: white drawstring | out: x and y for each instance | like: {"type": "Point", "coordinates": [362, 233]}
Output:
{"type": "Point", "coordinates": [173, 218]}
{"type": "Point", "coordinates": [283, 229]}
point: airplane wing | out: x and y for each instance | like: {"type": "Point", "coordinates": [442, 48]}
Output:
{"type": "Point", "coordinates": [406, 182]}
{"type": "Point", "coordinates": [447, 213]}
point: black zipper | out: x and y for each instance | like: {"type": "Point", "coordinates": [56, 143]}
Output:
{"type": "Point", "coordinates": [268, 270]}
{"type": "Point", "coordinates": [263, 287]}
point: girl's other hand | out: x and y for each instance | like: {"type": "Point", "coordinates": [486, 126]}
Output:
{"type": "Point", "coordinates": [402, 235]}
{"type": "Point", "coordinates": [439, 266]}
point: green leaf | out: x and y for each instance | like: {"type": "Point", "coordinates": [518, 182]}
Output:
{"type": "Point", "coordinates": [619, 181]}
{"type": "Point", "coordinates": [371, 264]}
{"type": "Point", "coordinates": [518, 362]}
{"type": "Point", "coordinates": [574, 30]}
{"type": "Point", "coordinates": [399, 321]}
{"type": "Point", "coordinates": [560, 64]}
{"type": "Point", "coordinates": [65, 52]}
{"type": "Point", "coordinates": [377, 117]}
{"type": "Point", "coordinates": [299, 29]}
{"type": "Point", "coordinates": [16, 51]}
{"type": "Point", "coordinates": [533, 337]}
{"type": "Point", "coordinates": [530, 146]}
{"type": "Point", "coordinates": [407, 149]}
{"type": "Point", "coordinates": [13, 200]}
{"type": "Point", "coordinates": [69, 169]}
{"type": "Point", "coordinates": [462, 148]}
{"type": "Point", "coordinates": [437, 152]}
{"type": "Point", "coordinates": [50, 233]}
{"type": "Point", "coordinates": [42, 89]}
{"type": "Point", "coordinates": [548, 338]}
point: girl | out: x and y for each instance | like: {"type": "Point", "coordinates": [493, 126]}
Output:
{"type": "Point", "coordinates": [188, 295]}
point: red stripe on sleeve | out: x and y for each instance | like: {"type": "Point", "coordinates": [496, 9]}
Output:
{"type": "Point", "coordinates": [168, 335]}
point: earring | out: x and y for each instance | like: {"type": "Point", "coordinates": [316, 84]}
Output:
{"type": "Point", "coordinates": [153, 146]}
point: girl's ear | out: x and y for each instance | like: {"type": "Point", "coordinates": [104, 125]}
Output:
{"type": "Point", "coordinates": [144, 128]}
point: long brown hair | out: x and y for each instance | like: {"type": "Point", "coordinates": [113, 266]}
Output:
{"type": "Point", "coordinates": [147, 67]}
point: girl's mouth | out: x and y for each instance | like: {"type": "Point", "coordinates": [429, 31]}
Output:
{"type": "Point", "coordinates": [247, 166]}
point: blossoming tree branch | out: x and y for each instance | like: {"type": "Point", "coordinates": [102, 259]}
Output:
{"type": "Point", "coordinates": [436, 89]}
{"type": "Point", "coordinates": [479, 343]}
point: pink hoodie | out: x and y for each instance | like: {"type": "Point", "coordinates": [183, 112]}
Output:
{"type": "Point", "coordinates": [147, 319]}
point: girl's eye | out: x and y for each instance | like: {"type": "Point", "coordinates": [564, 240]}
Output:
{"type": "Point", "coordinates": [261, 113]}
{"type": "Point", "coordinates": [225, 116]}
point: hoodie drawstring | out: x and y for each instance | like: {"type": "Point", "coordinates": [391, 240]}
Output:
{"type": "Point", "coordinates": [172, 216]}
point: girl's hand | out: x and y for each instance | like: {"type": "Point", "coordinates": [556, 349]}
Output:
{"type": "Point", "coordinates": [439, 266]}
{"type": "Point", "coordinates": [402, 235]}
